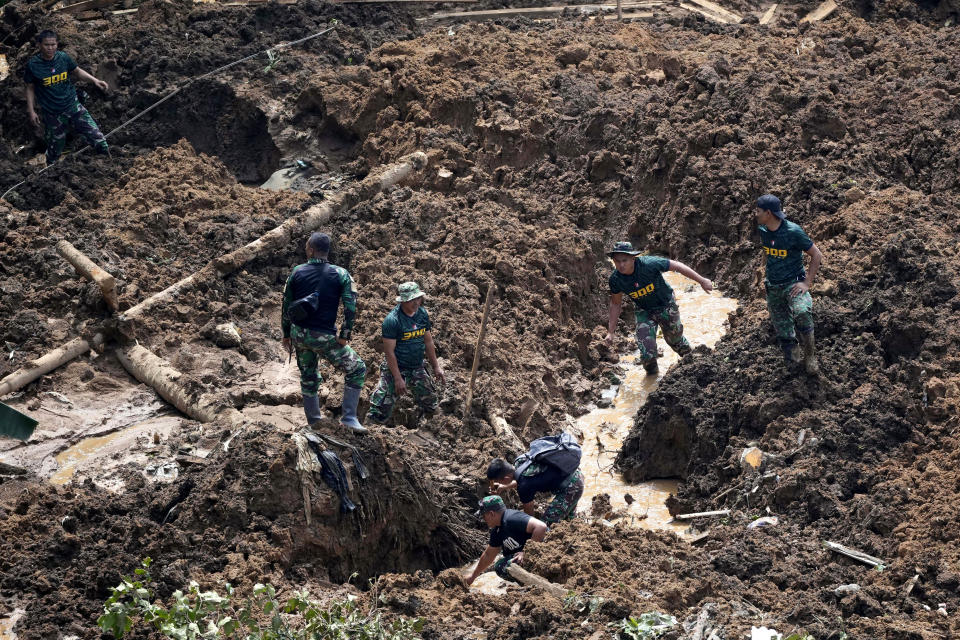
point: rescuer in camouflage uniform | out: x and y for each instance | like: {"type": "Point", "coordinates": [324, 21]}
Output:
{"type": "Point", "coordinates": [787, 286]}
{"type": "Point", "coordinates": [406, 338]}
{"type": "Point", "coordinates": [641, 278]}
{"type": "Point", "coordinates": [318, 338]}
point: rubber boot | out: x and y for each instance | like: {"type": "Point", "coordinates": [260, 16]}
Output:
{"type": "Point", "coordinates": [351, 397]}
{"type": "Point", "coordinates": [311, 408]}
{"type": "Point", "coordinates": [651, 367]}
{"type": "Point", "coordinates": [809, 353]}
{"type": "Point", "coordinates": [792, 352]}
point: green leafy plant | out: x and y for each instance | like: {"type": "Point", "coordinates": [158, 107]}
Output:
{"type": "Point", "coordinates": [582, 604]}
{"type": "Point", "coordinates": [206, 615]}
{"type": "Point", "coordinates": [648, 626]}
{"type": "Point", "coordinates": [274, 59]}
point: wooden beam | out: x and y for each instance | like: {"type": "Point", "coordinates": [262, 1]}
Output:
{"type": "Point", "coordinates": [395, 1]}
{"type": "Point", "coordinates": [712, 7]}
{"type": "Point", "coordinates": [704, 13]}
{"type": "Point", "coordinates": [768, 15]}
{"type": "Point", "coordinates": [820, 12]}
{"type": "Point", "coordinates": [528, 579]}
{"type": "Point", "coordinates": [702, 514]}
{"type": "Point", "coordinates": [89, 270]}
{"type": "Point", "coordinates": [86, 5]}
{"type": "Point", "coordinates": [528, 12]}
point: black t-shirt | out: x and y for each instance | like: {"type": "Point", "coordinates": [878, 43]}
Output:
{"type": "Point", "coordinates": [539, 478]}
{"type": "Point", "coordinates": [512, 534]}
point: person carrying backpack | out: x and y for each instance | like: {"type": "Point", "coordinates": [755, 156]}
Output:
{"type": "Point", "coordinates": [551, 466]}
{"type": "Point", "coordinates": [308, 315]}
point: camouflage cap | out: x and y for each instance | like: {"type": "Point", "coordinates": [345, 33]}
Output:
{"type": "Point", "coordinates": [623, 247]}
{"type": "Point", "coordinates": [409, 291]}
{"type": "Point", "coordinates": [491, 503]}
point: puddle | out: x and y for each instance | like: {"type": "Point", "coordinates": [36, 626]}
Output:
{"type": "Point", "coordinates": [605, 429]}
{"type": "Point", "coordinates": [7, 625]}
{"type": "Point", "coordinates": [93, 452]}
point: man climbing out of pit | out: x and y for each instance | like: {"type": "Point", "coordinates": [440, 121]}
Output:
{"type": "Point", "coordinates": [48, 81]}
{"type": "Point", "coordinates": [551, 466]}
{"type": "Point", "coordinates": [509, 532]}
{"type": "Point", "coordinates": [308, 318]}
{"type": "Point", "coordinates": [406, 338]}
{"type": "Point", "coordinates": [641, 278]}
{"type": "Point", "coordinates": [787, 286]}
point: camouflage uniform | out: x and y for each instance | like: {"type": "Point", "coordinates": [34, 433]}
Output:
{"type": "Point", "coordinates": [384, 396]}
{"type": "Point", "coordinates": [668, 319]}
{"type": "Point", "coordinates": [564, 503]}
{"type": "Point", "coordinates": [57, 124]}
{"type": "Point", "coordinates": [789, 314]}
{"type": "Point", "coordinates": [313, 345]}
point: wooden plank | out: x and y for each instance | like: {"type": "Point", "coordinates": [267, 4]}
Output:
{"type": "Point", "coordinates": [396, 1]}
{"type": "Point", "coordinates": [728, 16]}
{"type": "Point", "coordinates": [702, 514]}
{"type": "Point", "coordinates": [703, 12]}
{"type": "Point", "coordinates": [630, 15]}
{"type": "Point", "coordinates": [86, 5]}
{"type": "Point", "coordinates": [535, 11]}
{"type": "Point", "coordinates": [768, 16]}
{"type": "Point", "coordinates": [859, 556]}
{"type": "Point", "coordinates": [528, 579]}
{"type": "Point", "coordinates": [820, 12]}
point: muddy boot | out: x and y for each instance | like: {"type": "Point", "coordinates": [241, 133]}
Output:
{"type": "Point", "coordinates": [791, 351]}
{"type": "Point", "coordinates": [351, 397]}
{"type": "Point", "coordinates": [311, 408]}
{"type": "Point", "coordinates": [809, 353]}
{"type": "Point", "coordinates": [651, 367]}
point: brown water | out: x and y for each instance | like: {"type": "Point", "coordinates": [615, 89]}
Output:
{"type": "Point", "coordinates": [7, 624]}
{"type": "Point", "coordinates": [603, 430]}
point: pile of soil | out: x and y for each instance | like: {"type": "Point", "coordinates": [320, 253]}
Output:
{"type": "Point", "coordinates": [546, 144]}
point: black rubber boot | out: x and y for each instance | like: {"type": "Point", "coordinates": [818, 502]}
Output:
{"type": "Point", "coordinates": [651, 367]}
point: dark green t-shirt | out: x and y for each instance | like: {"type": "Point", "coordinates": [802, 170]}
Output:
{"type": "Point", "coordinates": [409, 333]}
{"type": "Point", "coordinates": [645, 286]}
{"type": "Point", "coordinates": [53, 88]}
{"type": "Point", "coordinates": [784, 250]}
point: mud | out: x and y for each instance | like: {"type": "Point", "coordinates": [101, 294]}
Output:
{"type": "Point", "coordinates": [547, 142]}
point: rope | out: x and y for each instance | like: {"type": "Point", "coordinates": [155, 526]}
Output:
{"type": "Point", "coordinates": [173, 93]}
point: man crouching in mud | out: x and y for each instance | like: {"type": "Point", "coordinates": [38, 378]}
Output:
{"type": "Point", "coordinates": [787, 286]}
{"type": "Point", "coordinates": [509, 530]}
{"type": "Point", "coordinates": [641, 278]}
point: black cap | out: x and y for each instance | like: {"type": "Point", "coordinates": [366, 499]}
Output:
{"type": "Point", "coordinates": [319, 242]}
{"type": "Point", "coordinates": [771, 203]}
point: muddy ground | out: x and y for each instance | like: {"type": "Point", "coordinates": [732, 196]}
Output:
{"type": "Point", "coordinates": [546, 142]}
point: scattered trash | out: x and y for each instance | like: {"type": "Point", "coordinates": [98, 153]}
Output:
{"type": "Point", "coordinates": [59, 397]}
{"type": "Point", "coordinates": [69, 524]}
{"type": "Point", "coordinates": [846, 590]}
{"type": "Point", "coordinates": [942, 609]}
{"type": "Point", "coordinates": [751, 458]}
{"type": "Point", "coordinates": [766, 521]}
{"type": "Point", "coordinates": [762, 633]}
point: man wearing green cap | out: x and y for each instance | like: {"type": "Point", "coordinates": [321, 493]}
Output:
{"type": "Point", "coordinates": [406, 338]}
{"type": "Point", "coordinates": [641, 278]}
{"type": "Point", "coordinates": [509, 532]}
{"type": "Point", "coordinates": [786, 283]}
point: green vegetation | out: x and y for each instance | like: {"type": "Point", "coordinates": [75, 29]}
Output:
{"type": "Point", "coordinates": [207, 615]}
{"type": "Point", "coordinates": [648, 626]}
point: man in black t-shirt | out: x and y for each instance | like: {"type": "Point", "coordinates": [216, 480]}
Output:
{"type": "Point", "coordinates": [509, 531]}
{"type": "Point", "coordinates": [567, 488]}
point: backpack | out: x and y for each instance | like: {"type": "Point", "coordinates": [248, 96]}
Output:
{"type": "Point", "coordinates": [300, 310]}
{"type": "Point", "coordinates": [560, 451]}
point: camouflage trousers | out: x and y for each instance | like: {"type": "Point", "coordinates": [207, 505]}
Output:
{"type": "Point", "coordinates": [55, 126]}
{"type": "Point", "coordinates": [501, 568]}
{"type": "Point", "coordinates": [789, 315]}
{"type": "Point", "coordinates": [384, 397]}
{"type": "Point", "coordinates": [313, 345]}
{"type": "Point", "coordinates": [564, 503]}
{"type": "Point", "coordinates": [668, 319]}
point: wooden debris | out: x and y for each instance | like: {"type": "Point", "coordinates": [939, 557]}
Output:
{"type": "Point", "coordinates": [537, 12]}
{"type": "Point", "coordinates": [188, 460]}
{"type": "Point", "coordinates": [88, 269]}
{"type": "Point", "coordinates": [910, 584]}
{"type": "Point", "coordinates": [476, 350]}
{"type": "Point", "coordinates": [86, 5]}
{"type": "Point", "coordinates": [768, 15]}
{"type": "Point", "coordinates": [853, 553]}
{"type": "Point", "coordinates": [725, 15]}
{"type": "Point", "coordinates": [506, 434]}
{"type": "Point", "coordinates": [43, 365]}
{"type": "Point", "coordinates": [820, 12]}
{"type": "Point", "coordinates": [528, 579]}
{"type": "Point", "coordinates": [702, 514]}
{"type": "Point", "coordinates": [396, 1]}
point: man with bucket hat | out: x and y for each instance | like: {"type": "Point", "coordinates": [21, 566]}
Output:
{"type": "Point", "coordinates": [406, 339]}
{"type": "Point", "coordinates": [641, 278]}
{"type": "Point", "coordinates": [509, 531]}
{"type": "Point", "coordinates": [786, 283]}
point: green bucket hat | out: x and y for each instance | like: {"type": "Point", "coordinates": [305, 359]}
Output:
{"type": "Point", "coordinates": [409, 291]}
{"type": "Point", "coordinates": [623, 247]}
{"type": "Point", "coordinates": [491, 503]}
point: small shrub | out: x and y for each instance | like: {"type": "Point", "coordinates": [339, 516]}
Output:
{"type": "Point", "coordinates": [648, 626]}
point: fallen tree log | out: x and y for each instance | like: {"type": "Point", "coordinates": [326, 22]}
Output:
{"type": "Point", "coordinates": [89, 270]}
{"type": "Point", "coordinates": [528, 579]}
{"type": "Point", "coordinates": [44, 365]}
{"type": "Point", "coordinates": [505, 433]}
{"type": "Point", "coordinates": [288, 232]}
{"type": "Point", "coordinates": [168, 382]}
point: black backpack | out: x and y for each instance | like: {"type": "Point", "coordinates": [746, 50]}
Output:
{"type": "Point", "coordinates": [560, 451]}
{"type": "Point", "coordinates": [300, 310]}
